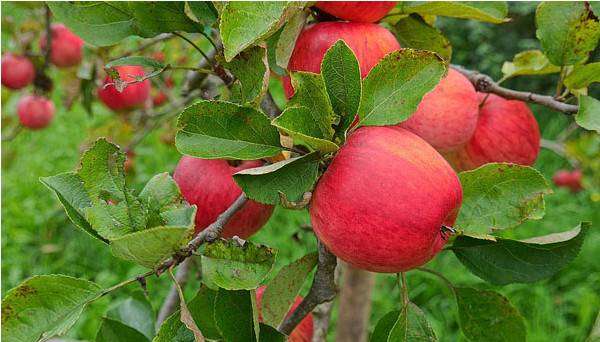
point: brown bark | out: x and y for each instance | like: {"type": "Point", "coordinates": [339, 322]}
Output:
{"type": "Point", "coordinates": [355, 305]}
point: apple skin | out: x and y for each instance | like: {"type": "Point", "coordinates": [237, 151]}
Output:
{"type": "Point", "coordinates": [568, 179]}
{"type": "Point", "coordinates": [17, 71]}
{"type": "Point", "coordinates": [160, 97]}
{"type": "Point", "coordinates": [35, 112]}
{"type": "Point", "coordinates": [369, 42]}
{"type": "Point", "coordinates": [506, 132]}
{"type": "Point", "coordinates": [381, 203]}
{"type": "Point", "coordinates": [359, 11]}
{"type": "Point", "coordinates": [210, 186]}
{"type": "Point", "coordinates": [67, 47]}
{"type": "Point", "coordinates": [303, 331]}
{"type": "Point", "coordinates": [447, 116]}
{"type": "Point", "coordinates": [133, 95]}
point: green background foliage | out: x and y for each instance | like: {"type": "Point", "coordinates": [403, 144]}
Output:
{"type": "Point", "coordinates": [37, 237]}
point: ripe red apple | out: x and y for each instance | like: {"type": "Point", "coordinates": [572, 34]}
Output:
{"type": "Point", "coordinates": [303, 331]}
{"type": "Point", "coordinates": [67, 47]}
{"type": "Point", "coordinates": [381, 204]}
{"type": "Point", "coordinates": [369, 42]}
{"type": "Point", "coordinates": [506, 132]}
{"type": "Point", "coordinates": [132, 96]}
{"type": "Point", "coordinates": [17, 71]}
{"type": "Point", "coordinates": [160, 97]}
{"type": "Point", "coordinates": [210, 186]}
{"type": "Point", "coordinates": [447, 116]}
{"type": "Point", "coordinates": [35, 112]}
{"type": "Point", "coordinates": [361, 11]}
{"type": "Point", "coordinates": [568, 179]}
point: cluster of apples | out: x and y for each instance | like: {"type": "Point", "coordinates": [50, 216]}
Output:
{"type": "Point", "coordinates": [36, 111]}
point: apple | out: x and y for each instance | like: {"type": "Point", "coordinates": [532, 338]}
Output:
{"type": "Point", "coordinates": [160, 97]}
{"type": "Point", "coordinates": [447, 116]}
{"type": "Point", "coordinates": [369, 42]}
{"type": "Point", "coordinates": [381, 203]}
{"type": "Point", "coordinates": [17, 71]}
{"type": "Point", "coordinates": [35, 112]}
{"type": "Point", "coordinates": [210, 186]}
{"type": "Point", "coordinates": [67, 47]}
{"type": "Point", "coordinates": [303, 331]}
{"type": "Point", "coordinates": [132, 96]}
{"type": "Point", "coordinates": [568, 179]}
{"type": "Point", "coordinates": [360, 11]}
{"type": "Point", "coordinates": [506, 132]}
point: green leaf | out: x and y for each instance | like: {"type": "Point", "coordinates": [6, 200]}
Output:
{"type": "Point", "coordinates": [136, 60]}
{"type": "Point", "coordinates": [98, 23]}
{"type": "Point", "coordinates": [394, 87]}
{"type": "Point", "coordinates": [293, 177]}
{"type": "Point", "coordinates": [251, 68]}
{"type": "Point", "coordinates": [309, 114]}
{"type": "Point", "coordinates": [203, 12]}
{"type": "Point", "coordinates": [384, 326]}
{"type": "Point", "coordinates": [270, 334]}
{"type": "Point", "coordinates": [568, 31]}
{"type": "Point", "coordinates": [530, 62]}
{"type": "Point", "coordinates": [500, 196]}
{"type": "Point", "coordinates": [488, 11]}
{"type": "Point", "coordinates": [45, 306]}
{"type": "Point", "coordinates": [287, 38]}
{"type": "Point", "coordinates": [588, 115]}
{"type": "Point", "coordinates": [413, 32]}
{"type": "Point", "coordinates": [507, 261]}
{"type": "Point", "coordinates": [115, 331]}
{"type": "Point", "coordinates": [233, 267]}
{"type": "Point", "coordinates": [135, 312]}
{"type": "Point", "coordinates": [216, 129]}
{"type": "Point", "coordinates": [488, 316]}
{"type": "Point", "coordinates": [281, 291]}
{"type": "Point", "coordinates": [156, 17]}
{"type": "Point", "coordinates": [151, 246]}
{"type": "Point", "coordinates": [341, 75]}
{"type": "Point", "coordinates": [582, 76]}
{"type": "Point", "coordinates": [202, 309]}
{"type": "Point", "coordinates": [69, 189]}
{"type": "Point", "coordinates": [165, 204]}
{"type": "Point", "coordinates": [411, 326]}
{"type": "Point", "coordinates": [234, 315]}
{"type": "Point", "coordinates": [246, 23]}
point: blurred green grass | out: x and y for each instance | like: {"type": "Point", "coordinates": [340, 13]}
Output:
{"type": "Point", "coordinates": [37, 238]}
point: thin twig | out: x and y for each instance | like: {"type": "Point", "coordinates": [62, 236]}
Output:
{"type": "Point", "coordinates": [148, 43]}
{"type": "Point", "coordinates": [48, 49]}
{"type": "Point", "coordinates": [485, 84]}
{"type": "Point", "coordinates": [439, 275]}
{"type": "Point", "coordinates": [322, 290]}
{"type": "Point", "coordinates": [553, 146]}
{"type": "Point", "coordinates": [172, 300]}
{"type": "Point", "coordinates": [195, 47]}
{"type": "Point", "coordinates": [404, 289]}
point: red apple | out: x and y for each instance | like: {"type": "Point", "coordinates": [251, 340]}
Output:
{"type": "Point", "coordinates": [447, 116]}
{"type": "Point", "coordinates": [506, 132]}
{"type": "Point", "coordinates": [160, 97]}
{"type": "Point", "coordinates": [67, 47]}
{"type": "Point", "coordinates": [361, 11]}
{"type": "Point", "coordinates": [133, 95]}
{"type": "Point", "coordinates": [303, 331]}
{"type": "Point", "coordinates": [35, 112]}
{"type": "Point", "coordinates": [381, 204]}
{"type": "Point", "coordinates": [369, 42]}
{"type": "Point", "coordinates": [568, 179]}
{"type": "Point", "coordinates": [159, 56]}
{"type": "Point", "coordinates": [210, 186]}
{"type": "Point", "coordinates": [17, 71]}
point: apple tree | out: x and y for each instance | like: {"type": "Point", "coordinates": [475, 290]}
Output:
{"type": "Point", "coordinates": [396, 153]}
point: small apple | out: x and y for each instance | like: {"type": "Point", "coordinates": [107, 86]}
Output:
{"type": "Point", "coordinates": [159, 56]}
{"type": "Point", "coordinates": [568, 179]}
{"type": "Point", "coordinates": [17, 71]}
{"type": "Point", "coordinates": [132, 96]}
{"type": "Point", "coordinates": [303, 331]}
{"type": "Point", "coordinates": [381, 204]}
{"type": "Point", "coordinates": [447, 116]}
{"type": "Point", "coordinates": [160, 97]}
{"type": "Point", "coordinates": [210, 186]}
{"type": "Point", "coordinates": [369, 42]}
{"type": "Point", "coordinates": [506, 132]}
{"type": "Point", "coordinates": [35, 112]}
{"type": "Point", "coordinates": [360, 11]}
{"type": "Point", "coordinates": [67, 47]}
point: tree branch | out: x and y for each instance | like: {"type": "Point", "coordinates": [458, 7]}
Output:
{"type": "Point", "coordinates": [172, 300]}
{"type": "Point", "coordinates": [485, 84]}
{"type": "Point", "coordinates": [321, 318]}
{"type": "Point", "coordinates": [148, 43]}
{"type": "Point", "coordinates": [323, 290]}
{"type": "Point", "coordinates": [269, 106]}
